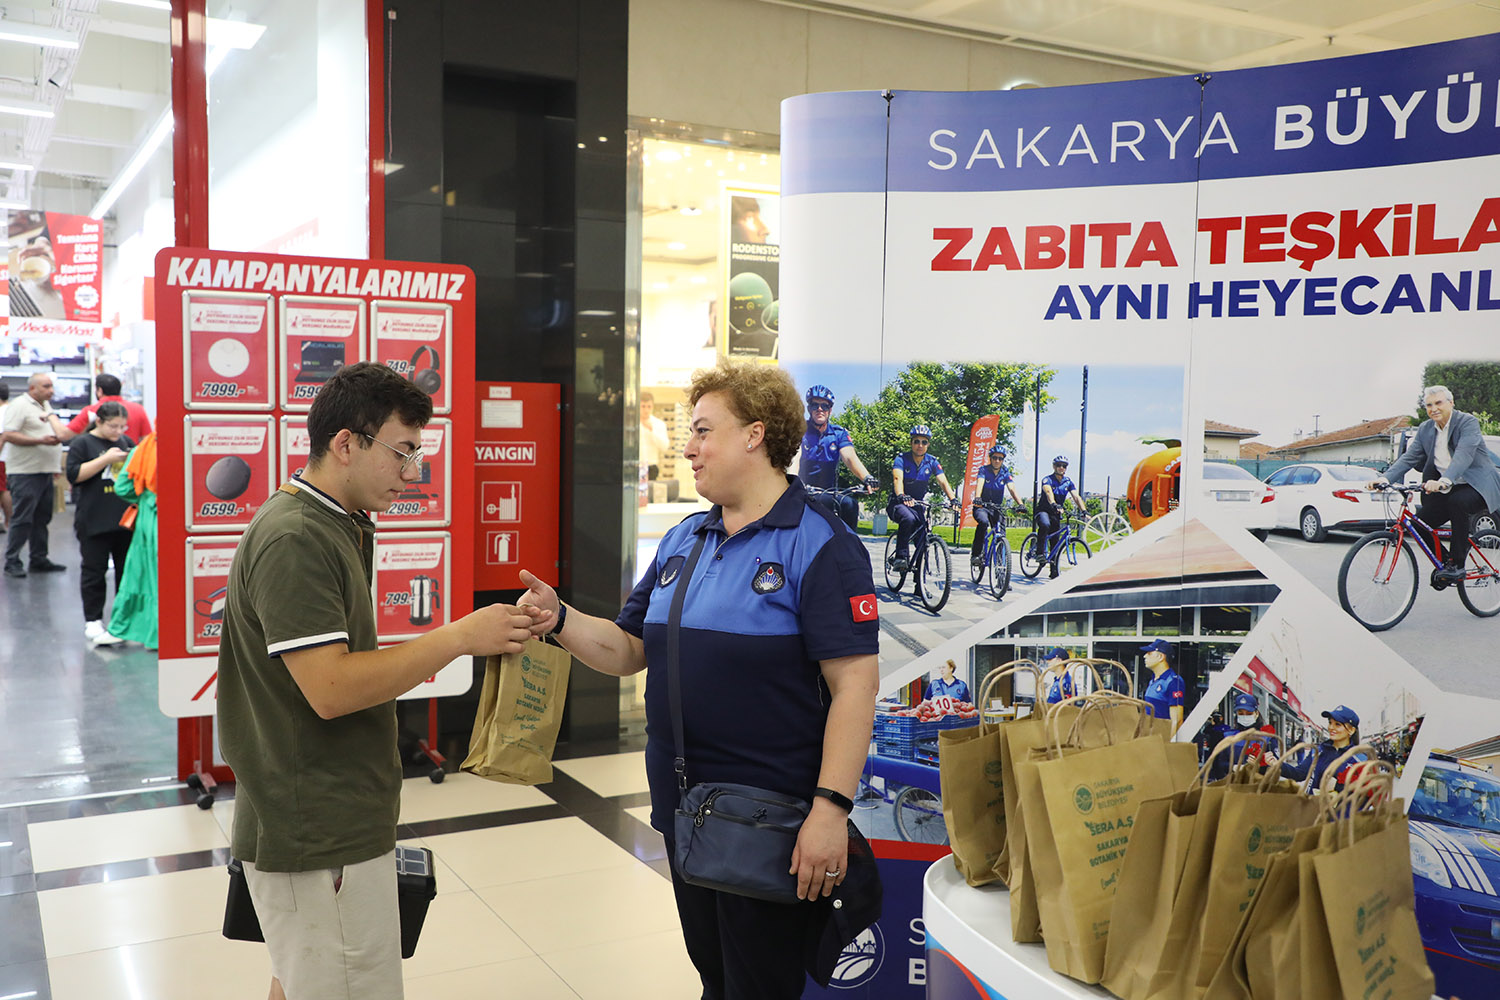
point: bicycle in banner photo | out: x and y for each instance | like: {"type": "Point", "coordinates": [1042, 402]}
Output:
{"type": "Point", "coordinates": [1378, 580]}
{"type": "Point", "coordinates": [994, 559]}
{"type": "Point", "coordinates": [1066, 544]}
{"type": "Point", "coordinates": [930, 563]}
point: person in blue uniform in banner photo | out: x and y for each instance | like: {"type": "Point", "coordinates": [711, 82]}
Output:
{"type": "Point", "coordinates": [777, 648]}
{"type": "Point", "coordinates": [948, 686]}
{"type": "Point", "coordinates": [1061, 685]}
{"type": "Point", "coordinates": [1166, 693]}
{"type": "Point", "coordinates": [824, 445]}
{"type": "Point", "coordinates": [991, 485]}
{"type": "Point", "coordinates": [1343, 733]}
{"type": "Point", "coordinates": [1050, 505]}
{"type": "Point", "coordinates": [1262, 749]}
{"type": "Point", "coordinates": [912, 475]}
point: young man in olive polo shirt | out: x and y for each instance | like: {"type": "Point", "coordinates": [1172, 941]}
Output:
{"type": "Point", "coordinates": [306, 703]}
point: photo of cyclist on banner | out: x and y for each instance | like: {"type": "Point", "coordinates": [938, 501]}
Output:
{"type": "Point", "coordinates": [825, 446]}
{"type": "Point", "coordinates": [991, 485]}
{"type": "Point", "coordinates": [1051, 505]}
{"type": "Point", "coordinates": [912, 475]}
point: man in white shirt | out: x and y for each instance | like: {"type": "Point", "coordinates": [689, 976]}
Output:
{"type": "Point", "coordinates": [33, 460]}
{"type": "Point", "coordinates": [653, 436]}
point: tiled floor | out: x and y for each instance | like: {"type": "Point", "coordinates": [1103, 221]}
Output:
{"type": "Point", "coordinates": [112, 882]}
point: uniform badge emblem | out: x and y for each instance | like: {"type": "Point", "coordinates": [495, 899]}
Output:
{"type": "Point", "coordinates": [770, 578]}
{"type": "Point", "coordinates": [669, 571]}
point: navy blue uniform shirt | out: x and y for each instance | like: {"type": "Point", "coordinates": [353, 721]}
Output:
{"type": "Point", "coordinates": [1062, 486]}
{"type": "Point", "coordinates": [917, 476]}
{"type": "Point", "coordinates": [763, 608]}
{"type": "Point", "coordinates": [992, 484]}
{"type": "Point", "coordinates": [1165, 693]}
{"type": "Point", "coordinates": [819, 465]}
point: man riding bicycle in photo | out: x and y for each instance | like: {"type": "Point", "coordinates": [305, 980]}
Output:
{"type": "Point", "coordinates": [1051, 507]}
{"type": "Point", "coordinates": [824, 446]}
{"type": "Point", "coordinates": [911, 475]}
{"type": "Point", "coordinates": [1459, 478]}
{"type": "Point", "coordinates": [991, 485]}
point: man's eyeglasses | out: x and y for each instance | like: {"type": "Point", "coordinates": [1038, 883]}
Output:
{"type": "Point", "coordinates": [822, 407]}
{"type": "Point", "coordinates": [409, 459]}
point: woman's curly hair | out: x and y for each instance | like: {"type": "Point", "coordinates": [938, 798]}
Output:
{"type": "Point", "coordinates": [758, 392]}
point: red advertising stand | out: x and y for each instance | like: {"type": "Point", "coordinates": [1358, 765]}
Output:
{"type": "Point", "coordinates": [517, 470]}
{"type": "Point", "coordinates": [250, 339]}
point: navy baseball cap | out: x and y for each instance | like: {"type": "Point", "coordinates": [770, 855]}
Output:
{"type": "Point", "coordinates": [1057, 653]}
{"type": "Point", "coordinates": [1246, 703]}
{"type": "Point", "coordinates": [1343, 714]}
{"type": "Point", "coordinates": [1158, 646]}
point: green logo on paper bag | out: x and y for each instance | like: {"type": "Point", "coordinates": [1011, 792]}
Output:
{"type": "Point", "coordinates": [1359, 921]}
{"type": "Point", "coordinates": [1255, 838]}
{"type": "Point", "coordinates": [991, 768]}
{"type": "Point", "coordinates": [1083, 799]}
{"type": "Point", "coordinates": [525, 663]}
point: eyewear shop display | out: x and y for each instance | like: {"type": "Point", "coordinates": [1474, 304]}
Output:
{"type": "Point", "coordinates": [1254, 885]}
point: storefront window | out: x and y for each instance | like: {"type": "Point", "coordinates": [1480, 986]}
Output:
{"type": "Point", "coordinates": [1224, 620]}
{"type": "Point", "coordinates": [288, 121]}
{"type": "Point", "coordinates": [1115, 623]}
{"type": "Point", "coordinates": [1166, 621]}
{"type": "Point", "coordinates": [1029, 625]}
{"type": "Point", "coordinates": [1068, 624]}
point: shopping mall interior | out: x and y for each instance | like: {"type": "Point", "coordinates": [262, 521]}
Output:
{"type": "Point", "coordinates": [589, 161]}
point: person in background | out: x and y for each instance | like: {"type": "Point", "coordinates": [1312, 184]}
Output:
{"type": "Point", "coordinates": [133, 618]}
{"type": "Point", "coordinates": [948, 685]}
{"type": "Point", "coordinates": [911, 475]}
{"type": "Point", "coordinates": [5, 504]}
{"type": "Point", "coordinates": [824, 445]}
{"type": "Point", "coordinates": [1166, 694]}
{"type": "Point", "coordinates": [654, 439]}
{"type": "Point", "coordinates": [990, 485]}
{"type": "Point", "coordinates": [107, 390]}
{"type": "Point", "coordinates": [307, 701]}
{"type": "Point", "coordinates": [1261, 749]}
{"type": "Point", "coordinates": [1343, 733]}
{"type": "Point", "coordinates": [95, 459]}
{"type": "Point", "coordinates": [1061, 686]}
{"type": "Point", "coordinates": [33, 460]}
{"type": "Point", "coordinates": [1057, 488]}
{"type": "Point", "coordinates": [780, 610]}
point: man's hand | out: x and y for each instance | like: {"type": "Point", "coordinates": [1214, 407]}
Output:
{"type": "Point", "coordinates": [1432, 486]}
{"type": "Point", "coordinates": [49, 439]}
{"type": "Point", "coordinates": [497, 629]}
{"type": "Point", "coordinates": [542, 599]}
{"type": "Point", "coordinates": [1377, 484]}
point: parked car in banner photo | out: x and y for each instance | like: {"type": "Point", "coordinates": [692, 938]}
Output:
{"type": "Point", "coordinates": [1455, 858]}
{"type": "Point", "coordinates": [1237, 493]}
{"type": "Point", "coordinates": [1314, 499]}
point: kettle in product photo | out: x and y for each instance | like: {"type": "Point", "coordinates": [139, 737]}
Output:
{"type": "Point", "coordinates": [425, 599]}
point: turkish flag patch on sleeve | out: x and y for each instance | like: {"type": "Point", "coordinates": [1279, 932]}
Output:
{"type": "Point", "coordinates": [864, 609]}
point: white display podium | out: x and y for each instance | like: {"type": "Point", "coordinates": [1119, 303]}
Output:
{"type": "Point", "coordinates": [973, 925]}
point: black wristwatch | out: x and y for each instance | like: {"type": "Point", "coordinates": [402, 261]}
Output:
{"type": "Point", "coordinates": [562, 616]}
{"type": "Point", "coordinates": [837, 798]}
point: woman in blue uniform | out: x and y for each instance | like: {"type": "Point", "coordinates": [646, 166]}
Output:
{"type": "Point", "coordinates": [1343, 733]}
{"type": "Point", "coordinates": [912, 474]}
{"type": "Point", "coordinates": [948, 686]}
{"type": "Point", "coordinates": [1166, 694]}
{"type": "Point", "coordinates": [992, 483]}
{"type": "Point", "coordinates": [777, 666]}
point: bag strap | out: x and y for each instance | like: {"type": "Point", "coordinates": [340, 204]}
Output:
{"type": "Point", "coordinates": [674, 675]}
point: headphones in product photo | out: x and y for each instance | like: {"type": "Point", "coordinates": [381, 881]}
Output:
{"type": "Point", "coordinates": [429, 379]}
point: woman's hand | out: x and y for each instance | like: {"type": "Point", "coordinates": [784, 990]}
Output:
{"type": "Point", "coordinates": [539, 595]}
{"type": "Point", "coordinates": [820, 859]}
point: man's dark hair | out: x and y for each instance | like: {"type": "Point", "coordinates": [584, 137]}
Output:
{"type": "Point", "coordinates": [107, 385]}
{"type": "Point", "coordinates": [4, 392]}
{"type": "Point", "coordinates": [362, 397]}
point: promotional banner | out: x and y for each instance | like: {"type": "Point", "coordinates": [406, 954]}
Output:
{"type": "Point", "coordinates": [412, 584]}
{"type": "Point", "coordinates": [981, 439]}
{"type": "Point", "coordinates": [53, 277]}
{"type": "Point", "coordinates": [318, 337]}
{"type": "Point", "coordinates": [208, 561]}
{"type": "Point", "coordinates": [1213, 309]}
{"type": "Point", "coordinates": [229, 351]}
{"type": "Point", "coordinates": [295, 446]}
{"type": "Point", "coordinates": [231, 469]}
{"type": "Point", "coordinates": [415, 340]}
{"type": "Point", "coordinates": [751, 307]}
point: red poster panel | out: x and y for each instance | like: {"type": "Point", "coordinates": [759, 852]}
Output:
{"type": "Point", "coordinates": [319, 335]}
{"type": "Point", "coordinates": [425, 504]}
{"type": "Point", "coordinates": [231, 469]}
{"type": "Point", "coordinates": [53, 278]}
{"type": "Point", "coordinates": [416, 340]}
{"type": "Point", "coordinates": [208, 561]}
{"type": "Point", "coordinates": [228, 350]}
{"type": "Point", "coordinates": [517, 463]}
{"type": "Point", "coordinates": [295, 447]}
{"type": "Point", "coordinates": [412, 584]}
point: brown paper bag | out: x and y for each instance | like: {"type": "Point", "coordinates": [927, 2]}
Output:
{"type": "Point", "coordinates": [971, 778]}
{"type": "Point", "coordinates": [520, 712]}
{"type": "Point", "coordinates": [1089, 798]}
